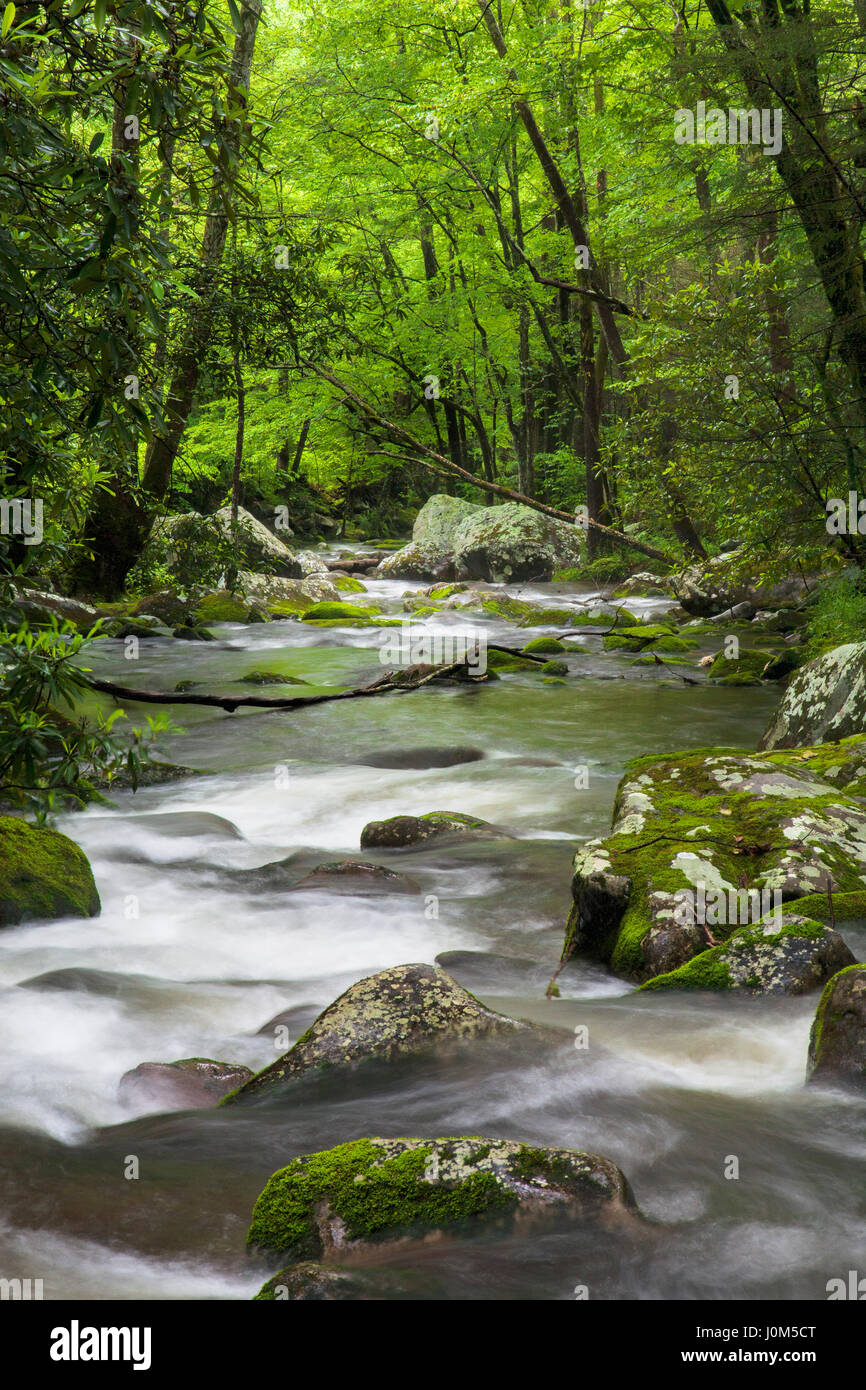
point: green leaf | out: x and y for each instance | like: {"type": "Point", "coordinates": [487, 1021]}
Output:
{"type": "Point", "coordinates": [8, 17]}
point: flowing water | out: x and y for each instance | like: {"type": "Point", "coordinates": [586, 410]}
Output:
{"type": "Point", "coordinates": [196, 950]}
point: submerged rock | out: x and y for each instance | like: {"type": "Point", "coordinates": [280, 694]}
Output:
{"type": "Point", "coordinates": [400, 831]}
{"type": "Point", "coordinates": [354, 876]}
{"type": "Point", "coordinates": [824, 702]}
{"type": "Point", "coordinates": [725, 823]}
{"type": "Point", "coordinates": [420, 757]}
{"type": "Point", "coordinates": [192, 1083]}
{"type": "Point", "coordinates": [374, 1190]}
{"type": "Point", "coordinates": [43, 875]}
{"type": "Point", "coordinates": [396, 1013]}
{"type": "Point", "coordinates": [837, 1042]}
{"type": "Point", "coordinates": [790, 955]}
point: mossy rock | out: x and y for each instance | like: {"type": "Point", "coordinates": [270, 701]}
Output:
{"type": "Point", "coordinates": [290, 607]}
{"type": "Point", "coordinates": [396, 1013]}
{"type": "Point", "coordinates": [43, 875]}
{"type": "Point", "coordinates": [639, 637]}
{"type": "Point", "coordinates": [221, 607]}
{"type": "Point", "coordinates": [498, 660]}
{"type": "Point", "coordinates": [572, 574]}
{"type": "Point", "coordinates": [320, 612]}
{"type": "Point", "coordinates": [671, 644]}
{"type": "Point", "coordinates": [544, 644]}
{"type": "Point", "coordinates": [348, 584]}
{"type": "Point", "coordinates": [837, 1041]}
{"type": "Point", "coordinates": [554, 668]}
{"type": "Point", "coordinates": [375, 1190]}
{"type": "Point", "coordinates": [712, 816]}
{"type": "Point", "coordinates": [443, 591]}
{"type": "Point", "coordinates": [399, 831]}
{"type": "Point", "coordinates": [784, 954]}
{"type": "Point", "coordinates": [745, 669]}
{"type": "Point", "coordinates": [257, 677]}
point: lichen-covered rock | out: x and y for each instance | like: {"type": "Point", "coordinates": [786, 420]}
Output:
{"type": "Point", "coordinates": [722, 819]}
{"type": "Point", "coordinates": [374, 1190]}
{"type": "Point", "coordinates": [194, 1083]}
{"type": "Point", "coordinates": [510, 543]}
{"type": "Point", "coordinates": [787, 955]}
{"type": "Point", "coordinates": [824, 702]}
{"type": "Point", "coordinates": [714, 585]}
{"type": "Point", "coordinates": [399, 831]}
{"type": "Point", "coordinates": [454, 539]}
{"type": "Point", "coordinates": [43, 608]}
{"type": "Point", "coordinates": [837, 1043]}
{"type": "Point", "coordinates": [747, 668]}
{"type": "Point", "coordinates": [42, 875]}
{"type": "Point", "coordinates": [310, 562]}
{"type": "Point", "coordinates": [259, 546]}
{"type": "Point", "coordinates": [398, 1012]}
{"type": "Point", "coordinates": [166, 605]}
{"type": "Point", "coordinates": [294, 595]}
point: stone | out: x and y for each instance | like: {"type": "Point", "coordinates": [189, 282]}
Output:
{"type": "Point", "coordinates": [194, 1083]}
{"type": "Point", "coordinates": [43, 875]}
{"type": "Point", "coordinates": [824, 702]}
{"type": "Point", "coordinates": [400, 831]}
{"type": "Point", "coordinates": [837, 1042]}
{"type": "Point", "coordinates": [396, 1013]}
{"type": "Point", "coordinates": [357, 877]}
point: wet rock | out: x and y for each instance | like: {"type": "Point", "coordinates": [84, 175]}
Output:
{"type": "Point", "coordinates": [396, 1013]}
{"type": "Point", "coordinates": [258, 545]}
{"type": "Point", "coordinates": [193, 1083]}
{"type": "Point", "coordinates": [837, 1042]}
{"type": "Point", "coordinates": [745, 669]}
{"type": "Point", "coordinates": [784, 954]}
{"type": "Point", "coordinates": [400, 831]}
{"type": "Point", "coordinates": [491, 973]}
{"type": "Point", "coordinates": [43, 875]}
{"type": "Point", "coordinates": [778, 667]}
{"type": "Point", "coordinates": [375, 1190]}
{"type": "Point", "coordinates": [193, 634]}
{"type": "Point", "coordinates": [824, 702]}
{"type": "Point", "coordinates": [538, 645]}
{"type": "Point", "coordinates": [167, 606]}
{"type": "Point", "coordinates": [41, 607]}
{"type": "Point", "coordinates": [418, 561]}
{"type": "Point", "coordinates": [257, 677]}
{"type": "Point", "coordinates": [354, 876]}
{"type": "Point", "coordinates": [219, 606]}
{"type": "Point", "coordinates": [643, 585]}
{"type": "Point", "coordinates": [721, 583]}
{"type": "Point", "coordinates": [288, 596]}
{"type": "Point", "coordinates": [723, 822]}
{"type": "Point", "coordinates": [295, 1020]}
{"type": "Point", "coordinates": [179, 824]}
{"type": "Point", "coordinates": [420, 757]}
{"type": "Point", "coordinates": [309, 1282]}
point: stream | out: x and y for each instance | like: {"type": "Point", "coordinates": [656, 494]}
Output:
{"type": "Point", "coordinates": [196, 951]}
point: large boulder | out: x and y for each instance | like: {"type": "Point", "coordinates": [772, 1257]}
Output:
{"type": "Point", "coordinates": [454, 539]}
{"type": "Point", "coordinates": [396, 1013]}
{"type": "Point", "coordinates": [824, 702]}
{"type": "Point", "coordinates": [42, 875]}
{"type": "Point", "coordinates": [288, 595]}
{"type": "Point", "coordinates": [507, 544]}
{"type": "Point", "coordinates": [837, 1043]}
{"type": "Point", "coordinates": [259, 547]}
{"type": "Point", "coordinates": [705, 840]}
{"type": "Point", "coordinates": [718, 584]}
{"type": "Point", "coordinates": [784, 954]}
{"type": "Point", "coordinates": [40, 607]}
{"type": "Point", "coordinates": [183, 536]}
{"type": "Point", "coordinates": [371, 1191]}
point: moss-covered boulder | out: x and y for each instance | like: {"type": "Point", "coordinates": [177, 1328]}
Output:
{"type": "Point", "coordinates": [745, 669]}
{"type": "Point", "coordinates": [219, 606]}
{"type": "Point", "coordinates": [395, 1013]}
{"type": "Point", "coordinates": [721, 821]}
{"type": "Point", "coordinates": [789, 954]}
{"type": "Point", "coordinates": [400, 831]}
{"type": "Point", "coordinates": [375, 1190]}
{"type": "Point", "coordinates": [837, 1042]}
{"type": "Point", "coordinates": [193, 1083]}
{"type": "Point", "coordinates": [356, 877]}
{"type": "Point", "coordinates": [720, 583]}
{"type": "Point", "coordinates": [42, 875]}
{"type": "Point", "coordinates": [554, 668]}
{"type": "Point", "coordinates": [538, 645]}
{"type": "Point", "coordinates": [284, 597]}
{"type": "Point", "coordinates": [646, 636]}
{"type": "Point", "coordinates": [348, 584]}
{"type": "Point", "coordinates": [344, 612]}
{"type": "Point", "coordinates": [824, 702]}
{"type": "Point", "coordinates": [166, 605]}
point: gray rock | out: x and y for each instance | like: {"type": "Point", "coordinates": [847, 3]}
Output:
{"type": "Point", "coordinates": [396, 1013]}
{"type": "Point", "coordinates": [194, 1083]}
{"type": "Point", "coordinates": [837, 1043]}
{"type": "Point", "coordinates": [400, 831]}
{"type": "Point", "coordinates": [356, 877]}
{"type": "Point", "coordinates": [825, 701]}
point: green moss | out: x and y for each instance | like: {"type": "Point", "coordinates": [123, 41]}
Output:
{"type": "Point", "coordinates": [744, 669]}
{"type": "Point", "coordinates": [42, 875]}
{"type": "Point", "coordinates": [290, 607]}
{"type": "Point", "coordinates": [348, 584]}
{"type": "Point", "coordinates": [544, 644]}
{"type": "Point", "coordinates": [222, 608]}
{"type": "Point", "coordinates": [639, 636]}
{"type": "Point", "coordinates": [446, 590]}
{"type": "Point", "coordinates": [452, 817]}
{"type": "Point", "coordinates": [257, 677]}
{"type": "Point", "coordinates": [332, 610]}
{"type": "Point", "coordinates": [371, 1194]}
{"type": "Point", "coordinates": [554, 668]}
{"type": "Point", "coordinates": [503, 661]}
{"type": "Point", "coordinates": [672, 644]}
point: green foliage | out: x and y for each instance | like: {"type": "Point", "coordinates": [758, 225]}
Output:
{"type": "Point", "coordinates": [838, 612]}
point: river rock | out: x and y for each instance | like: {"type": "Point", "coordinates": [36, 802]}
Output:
{"type": "Point", "coordinates": [167, 606]}
{"type": "Point", "coordinates": [43, 875]}
{"type": "Point", "coordinates": [354, 876]}
{"type": "Point", "coordinates": [721, 583]}
{"type": "Point", "coordinates": [400, 831]}
{"type": "Point", "coordinates": [42, 608]}
{"type": "Point", "coordinates": [837, 1043]}
{"type": "Point", "coordinates": [455, 539]}
{"type": "Point", "coordinates": [824, 702]}
{"type": "Point", "coordinates": [398, 1012]}
{"type": "Point", "coordinates": [194, 1083]}
{"type": "Point", "coordinates": [374, 1190]}
{"type": "Point", "coordinates": [258, 544]}
{"type": "Point", "coordinates": [420, 757]}
{"type": "Point", "coordinates": [788, 954]}
{"type": "Point", "coordinates": [294, 594]}
{"type": "Point", "coordinates": [732, 822]}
